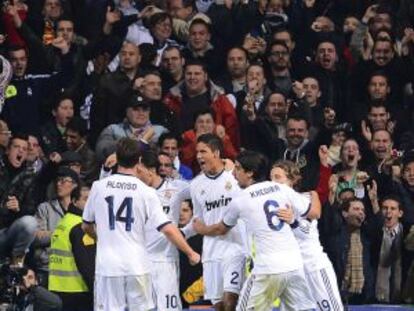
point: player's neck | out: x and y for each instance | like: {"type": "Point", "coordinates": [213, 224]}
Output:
{"type": "Point", "coordinates": [126, 171]}
{"type": "Point", "coordinates": [216, 169]}
{"type": "Point", "coordinates": [157, 181]}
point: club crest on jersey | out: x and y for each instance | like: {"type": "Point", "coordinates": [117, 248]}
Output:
{"type": "Point", "coordinates": [202, 192]}
{"type": "Point", "coordinates": [168, 194]}
{"type": "Point", "coordinates": [228, 186]}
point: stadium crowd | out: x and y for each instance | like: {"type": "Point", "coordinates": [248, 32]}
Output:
{"type": "Point", "coordinates": [326, 84]}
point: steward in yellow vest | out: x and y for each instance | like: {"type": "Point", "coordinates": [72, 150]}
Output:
{"type": "Point", "coordinates": [72, 258]}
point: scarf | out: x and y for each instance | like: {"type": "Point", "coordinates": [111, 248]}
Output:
{"type": "Point", "coordinates": [5, 77]}
{"type": "Point", "coordinates": [388, 285]}
{"type": "Point", "coordinates": [138, 133]}
{"type": "Point", "coordinates": [354, 271]}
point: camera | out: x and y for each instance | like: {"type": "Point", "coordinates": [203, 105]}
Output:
{"type": "Point", "coordinates": [11, 278]}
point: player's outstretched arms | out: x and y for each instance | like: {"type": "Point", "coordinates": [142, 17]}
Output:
{"type": "Point", "coordinates": [316, 207]}
{"type": "Point", "coordinates": [213, 230]}
{"type": "Point", "coordinates": [174, 235]}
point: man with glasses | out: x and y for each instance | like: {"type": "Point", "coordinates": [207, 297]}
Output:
{"type": "Point", "coordinates": [280, 78]}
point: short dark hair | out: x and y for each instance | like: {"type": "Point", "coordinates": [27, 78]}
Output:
{"type": "Point", "coordinates": [65, 18]}
{"type": "Point", "coordinates": [213, 141]}
{"type": "Point", "coordinates": [240, 48]}
{"type": "Point", "coordinates": [21, 136]}
{"type": "Point", "coordinates": [298, 117]}
{"type": "Point", "coordinates": [347, 203]}
{"type": "Point", "coordinates": [276, 42]}
{"type": "Point", "coordinates": [283, 29]}
{"type": "Point", "coordinates": [60, 98]}
{"type": "Point", "coordinates": [187, 3]}
{"type": "Point", "coordinates": [378, 104]}
{"type": "Point", "coordinates": [128, 152]}
{"type": "Point", "coordinates": [15, 48]}
{"type": "Point", "coordinates": [173, 47]}
{"type": "Point", "coordinates": [150, 160]}
{"type": "Point", "coordinates": [255, 162]}
{"type": "Point", "coordinates": [195, 62]}
{"type": "Point", "coordinates": [168, 136]}
{"type": "Point", "coordinates": [200, 21]}
{"type": "Point", "coordinates": [206, 110]}
{"type": "Point", "coordinates": [392, 197]}
{"type": "Point", "coordinates": [379, 73]}
{"type": "Point", "coordinates": [157, 18]}
{"type": "Point", "coordinates": [77, 125]}
{"type": "Point", "coordinates": [77, 191]}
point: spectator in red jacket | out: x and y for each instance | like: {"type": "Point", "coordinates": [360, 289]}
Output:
{"type": "Point", "coordinates": [204, 124]}
{"type": "Point", "coordinates": [197, 92]}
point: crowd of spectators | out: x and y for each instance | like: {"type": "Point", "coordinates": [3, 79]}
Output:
{"type": "Point", "coordinates": [326, 84]}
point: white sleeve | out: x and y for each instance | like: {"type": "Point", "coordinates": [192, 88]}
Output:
{"type": "Point", "coordinates": [88, 215]}
{"type": "Point", "coordinates": [155, 211]}
{"type": "Point", "coordinates": [232, 215]}
{"type": "Point", "coordinates": [175, 204]}
{"type": "Point", "coordinates": [300, 204]}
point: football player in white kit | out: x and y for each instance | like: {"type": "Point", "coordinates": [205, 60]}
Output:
{"type": "Point", "coordinates": [318, 268]}
{"type": "Point", "coordinates": [223, 257]}
{"type": "Point", "coordinates": [278, 266]}
{"type": "Point", "coordinates": [117, 209]}
{"type": "Point", "coordinates": [163, 255]}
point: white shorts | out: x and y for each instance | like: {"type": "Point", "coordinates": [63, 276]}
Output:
{"type": "Point", "coordinates": [225, 276]}
{"type": "Point", "coordinates": [121, 292]}
{"type": "Point", "coordinates": [261, 290]}
{"type": "Point", "coordinates": [324, 289]}
{"type": "Point", "coordinates": [166, 286]}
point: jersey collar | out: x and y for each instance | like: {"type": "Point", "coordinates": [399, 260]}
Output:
{"type": "Point", "coordinates": [215, 176]}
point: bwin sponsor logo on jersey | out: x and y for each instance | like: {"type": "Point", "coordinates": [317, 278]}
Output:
{"type": "Point", "coordinates": [217, 203]}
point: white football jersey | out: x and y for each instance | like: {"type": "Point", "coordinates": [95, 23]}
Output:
{"type": "Point", "coordinates": [171, 193]}
{"type": "Point", "coordinates": [277, 250]}
{"type": "Point", "coordinates": [307, 235]}
{"type": "Point", "coordinates": [211, 196]}
{"type": "Point", "coordinates": [120, 206]}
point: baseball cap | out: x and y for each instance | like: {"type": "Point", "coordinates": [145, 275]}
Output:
{"type": "Point", "coordinates": [69, 157]}
{"type": "Point", "coordinates": [135, 100]}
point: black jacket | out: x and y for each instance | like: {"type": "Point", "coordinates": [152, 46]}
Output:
{"type": "Point", "coordinates": [19, 183]}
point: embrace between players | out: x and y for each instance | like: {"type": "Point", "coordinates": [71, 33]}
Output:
{"type": "Point", "coordinates": [137, 263]}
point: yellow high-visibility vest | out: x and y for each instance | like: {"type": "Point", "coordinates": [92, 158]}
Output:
{"type": "Point", "coordinates": [64, 276]}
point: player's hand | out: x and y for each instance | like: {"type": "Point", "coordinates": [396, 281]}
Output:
{"type": "Point", "coordinates": [324, 155]}
{"type": "Point", "coordinates": [55, 157]}
{"type": "Point", "coordinates": [61, 44]}
{"type": "Point", "coordinates": [297, 88]}
{"type": "Point", "coordinates": [148, 134]}
{"type": "Point", "coordinates": [194, 258]}
{"type": "Point", "coordinates": [228, 165]}
{"type": "Point", "coordinates": [220, 131]}
{"type": "Point", "coordinates": [199, 226]}
{"type": "Point", "coordinates": [366, 131]}
{"type": "Point", "coordinates": [111, 161]}
{"type": "Point", "coordinates": [112, 17]}
{"type": "Point", "coordinates": [286, 214]}
{"type": "Point", "coordinates": [370, 13]}
{"type": "Point", "coordinates": [12, 204]}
